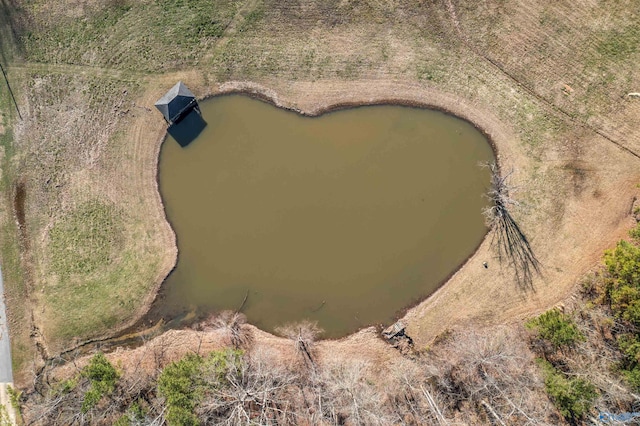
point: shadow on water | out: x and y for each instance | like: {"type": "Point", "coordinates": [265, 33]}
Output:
{"type": "Point", "coordinates": [188, 128]}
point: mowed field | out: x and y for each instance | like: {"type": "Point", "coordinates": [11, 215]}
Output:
{"type": "Point", "coordinates": [85, 244]}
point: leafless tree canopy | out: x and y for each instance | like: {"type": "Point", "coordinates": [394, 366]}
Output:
{"type": "Point", "coordinates": [510, 242]}
{"type": "Point", "coordinates": [256, 391]}
{"type": "Point", "coordinates": [234, 325]}
{"type": "Point", "coordinates": [495, 373]}
{"type": "Point", "coordinates": [303, 334]}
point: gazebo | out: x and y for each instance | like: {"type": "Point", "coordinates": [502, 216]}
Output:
{"type": "Point", "coordinates": [177, 103]}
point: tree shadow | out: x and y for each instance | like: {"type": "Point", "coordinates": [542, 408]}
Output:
{"type": "Point", "coordinates": [188, 128]}
{"type": "Point", "coordinates": [6, 79]}
{"type": "Point", "coordinates": [12, 26]}
{"type": "Point", "coordinates": [508, 239]}
{"type": "Point", "coordinates": [514, 248]}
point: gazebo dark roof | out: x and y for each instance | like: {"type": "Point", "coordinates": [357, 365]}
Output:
{"type": "Point", "coordinates": [176, 101]}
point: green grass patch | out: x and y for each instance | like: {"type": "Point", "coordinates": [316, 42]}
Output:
{"type": "Point", "coordinates": [619, 44]}
{"type": "Point", "coordinates": [67, 34]}
{"type": "Point", "coordinates": [99, 279]}
{"type": "Point", "coordinates": [82, 306]}
{"type": "Point", "coordinates": [7, 110]}
{"type": "Point", "coordinates": [149, 36]}
{"type": "Point", "coordinates": [430, 72]}
{"type": "Point", "coordinates": [240, 59]}
{"type": "Point", "coordinates": [251, 19]}
{"type": "Point", "coordinates": [188, 22]}
{"type": "Point", "coordinates": [86, 239]}
{"type": "Point", "coordinates": [11, 20]}
{"type": "Point", "coordinates": [4, 417]}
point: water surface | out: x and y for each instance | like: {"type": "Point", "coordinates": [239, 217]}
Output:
{"type": "Point", "coordinates": [346, 218]}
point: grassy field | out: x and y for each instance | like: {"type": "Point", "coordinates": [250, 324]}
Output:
{"type": "Point", "coordinates": [548, 81]}
{"type": "Point", "coordinates": [16, 293]}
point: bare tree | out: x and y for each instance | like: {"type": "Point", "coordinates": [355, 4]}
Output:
{"type": "Point", "coordinates": [350, 396]}
{"type": "Point", "coordinates": [303, 334]}
{"type": "Point", "coordinates": [234, 326]}
{"type": "Point", "coordinates": [255, 391]}
{"type": "Point", "coordinates": [411, 396]}
{"type": "Point", "coordinates": [494, 371]}
{"type": "Point", "coordinates": [509, 240]}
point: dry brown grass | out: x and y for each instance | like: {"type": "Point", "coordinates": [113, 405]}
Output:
{"type": "Point", "coordinates": [544, 81]}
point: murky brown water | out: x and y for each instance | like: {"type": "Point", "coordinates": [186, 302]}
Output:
{"type": "Point", "coordinates": [345, 218]}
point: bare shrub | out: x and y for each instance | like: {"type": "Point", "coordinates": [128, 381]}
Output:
{"type": "Point", "coordinates": [234, 326]}
{"type": "Point", "coordinates": [350, 396]}
{"type": "Point", "coordinates": [255, 390]}
{"type": "Point", "coordinates": [303, 334]}
{"type": "Point", "coordinates": [411, 397]}
{"type": "Point", "coordinates": [494, 373]}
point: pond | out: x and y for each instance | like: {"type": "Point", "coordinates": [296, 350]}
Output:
{"type": "Point", "coordinates": [345, 219]}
